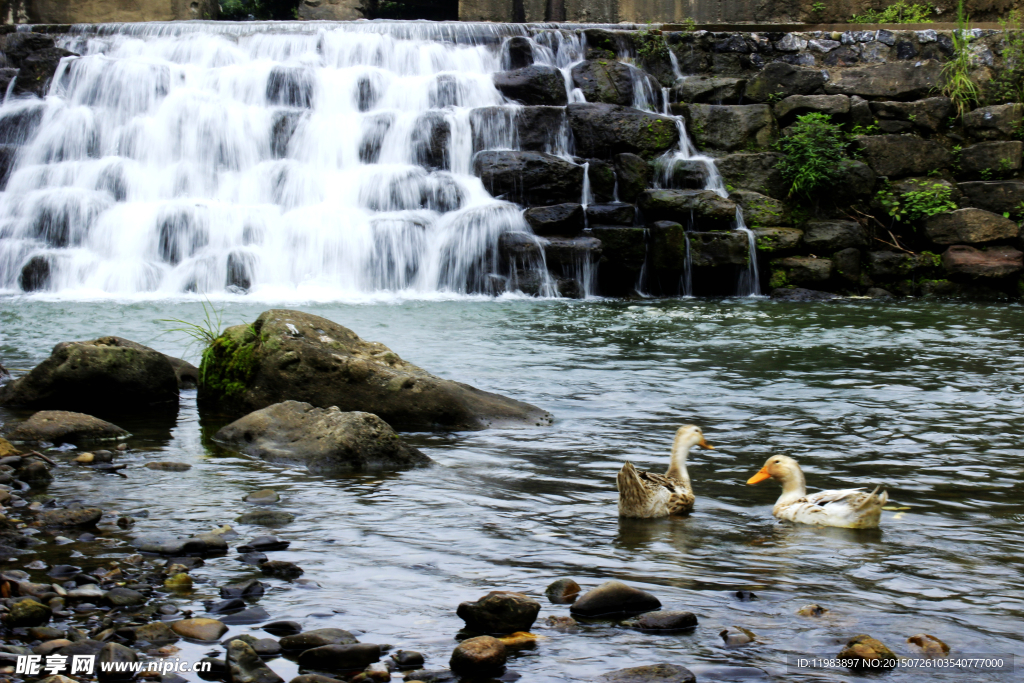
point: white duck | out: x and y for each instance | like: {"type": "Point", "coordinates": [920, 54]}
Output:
{"type": "Point", "coordinates": [847, 508]}
{"type": "Point", "coordinates": [646, 495]}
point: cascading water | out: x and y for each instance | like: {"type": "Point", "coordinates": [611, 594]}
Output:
{"type": "Point", "coordinates": [287, 160]}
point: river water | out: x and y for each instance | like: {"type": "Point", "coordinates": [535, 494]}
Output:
{"type": "Point", "coordinates": [923, 398]}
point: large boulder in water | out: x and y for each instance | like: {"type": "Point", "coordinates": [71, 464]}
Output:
{"type": "Point", "coordinates": [529, 177]}
{"type": "Point", "coordinates": [537, 84]}
{"type": "Point", "coordinates": [325, 440]}
{"type": "Point", "coordinates": [37, 70]}
{"type": "Point", "coordinates": [292, 355]}
{"type": "Point", "coordinates": [602, 130]}
{"type": "Point", "coordinates": [610, 81]}
{"type": "Point", "coordinates": [59, 426]}
{"type": "Point", "coordinates": [108, 374]}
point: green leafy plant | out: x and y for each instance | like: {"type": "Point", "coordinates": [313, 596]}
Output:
{"type": "Point", "coordinates": [930, 199]}
{"type": "Point", "coordinates": [650, 45]}
{"type": "Point", "coordinates": [901, 12]}
{"type": "Point", "coordinates": [818, 7]}
{"type": "Point", "coordinates": [861, 129]}
{"type": "Point", "coordinates": [202, 333]}
{"type": "Point", "coordinates": [689, 25]}
{"type": "Point", "coordinates": [956, 73]}
{"type": "Point", "coordinates": [811, 153]}
{"type": "Point", "coordinates": [774, 97]}
{"type": "Point", "coordinates": [1008, 85]}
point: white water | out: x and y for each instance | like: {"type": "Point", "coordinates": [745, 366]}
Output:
{"type": "Point", "coordinates": [285, 160]}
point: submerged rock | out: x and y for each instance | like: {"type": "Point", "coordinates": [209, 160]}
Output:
{"type": "Point", "coordinates": [653, 673]}
{"type": "Point", "coordinates": [326, 441]}
{"type": "Point", "coordinates": [500, 612]}
{"type": "Point", "coordinates": [292, 355]}
{"type": "Point", "coordinates": [109, 372]}
{"type": "Point", "coordinates": [200, 628]}
{"type": "Point", "coordinates": [27, 612]}
{"type": "Point", "coordinates": [307, 640]}
{"type": "Point", "coordinates": [563, 592]}
{"type": "Point", "coordinates": [245, 666]}
{"type": "Point", "coordinates": [614, 597]}
{"type": "Point", "coordinates": [281, 570]}
{"type": "Point", "coordinates": [734, 636]}
{"type": "Point", "coordinates": [929, 645]}
{"type": "Point", "coordinates": [665, 620]}
{"type": "Point", "coordinates": [340, 657]}
{"type": "Point", "coordinates": [59, 426]}
{"type": "Point", "coordinates": [812, 610]}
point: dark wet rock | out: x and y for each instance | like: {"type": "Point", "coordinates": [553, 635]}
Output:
{"type": "Point", "coordinates": [407, 659]}
{"type": "Point", "coordinates": [779, 79]}
{"type": "Point", "coordinates": [533, 85]}
{"type": "Point", "coordinates": [112, 655]}
{"type": "Point", "coordinates": [609, 81]}
{"type": "Point", "coordinates": [666, 620]}
{"type": "Point", "coordinates": [27, 612]}
{"type": "Point", "coordinates": [611, 214]}
{"type": "Point", "coordinates": [200, 628]}
{"type": "Point", "coordinates": [560, 219]}
{"type": "Point", "coordinates": [34, 473]}
{"type": "Point", "coordinates": [304, 357]}
{"type": "Point", "coordinates": [45, 633]}
{"type": "Point", "coordinates": [165, 466]}
{"type": "Point", "coordinates": [760, 210]}
{"type": "Point", "coordinates": [799, 270]}
{"type": "Point", "coordinates": [280, 628]}
{"type": "Point", "coordinates": [828, 236]}
{"type": "Point", "coordinates": [654, 673]}
{"type": "Point", "coordinates": [156, 633]}
{"type": "Point", "coordinates": [995, 196]}
{"type": "Point", "coordinates": [264, 543]}
{"type": "Point", "coordinates": [614, 597]}
{"type": "Point", "coordinates": [87, 646]}
{"type": "Point", "coordinates": [431, 140]}
{"type": "Point", "coordinates": [529, 177]}
{"type": "Point", "coordinates": [37, 70]}
{"type": "Point", "coordinates": [563, 592]}
{"type": "Point", "coordinates": [500, 612]}
{"type": "Point", "coordinates": [991, 262]}
{"type": "Point", "coordinates": [19, 45]}
{"type": "Point", "coordinates": [633, 175]}
{"type": "Point", "coordinates": [105, 372]}
{"type": "Point", "coordinates": [123, 597]}
{"type": "Point", "coordinates": [754, 171]}
{"type": "Point", "coordinates": [247, 589]}
{"type": "Point", "coordinates": [81, 517]}
{"type": "Point", "coordinates": [776, 240]}
{"type": "Point", "coordinates": [997, 122]}
{"type": "Point", "coordinates": [927, 115]}
{"type": "Point", "coordinates": [797, 105]}
{"type": "Point", "coordinates": [730, 128]}
{"type": "Point", "coordinates": [425, 676]}
{"type": "Point", "coordinates": [706, 209]}
{"type": "Point", "coordinates": [745, 596]}
{"type": "Point", "coordinates": [225, 606]}
{"type": "Point", "coordinates": [800, 294]}
{"type": "Point", "coordinates": [735, 636]}
{"type": "Point", "coordinates": [867, 652]}
{"type": "Point", "coordinates": [846, 263]}
{"type": "Point", "coordinates": [263, 497]}
{"type": "Point", "coordinates": [245, 666]}
{"type": "Point", "coordinates": [291, 86]}
{"type": "Point", "coordinates": [252, 615]}
{"type": "Point", "coordinates": [1003, 156]}
{"type": "Point", "coordinates": [812, 610]}
{"type": "Point", "coordinates": [325, 440]}
{"type": "Point", "coordinates": [710, 90]}
{"type": "Point", "coordinates": [218, 669]}
{"type": "Point", "coordinates": [603, 130]}
{"type": "Point", "coordinates": [48, 647]}
{"type": "Point", "coordinates": [266, 647]}
{"type": "Point", "coordinates": [969, 226]}
{"type": "Point", "coordinates": [560, 623]}
{"type": "Point", "coordinates": [891, 81]}
{"type": "Point", "coordinates": [896, 156]}
{"type": "Point", "coordinates": [854, 180]}
{"type": "Point", "coordinates": [279, 569]}
{"type": "Point", "coordinates": [519, 51]}
{"type": "Point", "coordinates": [340, 657]}
{"type": "Point", "coordinates": [478, 656]}
{"type": "Point", "coordinates": [266, 517]}
{"type": "Point", "coordinates": [256, 558]}
{"type": "Point", "coordinates": [59, 426]}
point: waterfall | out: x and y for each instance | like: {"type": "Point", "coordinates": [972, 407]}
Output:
{"type": "Point", "coordinates": [749, 284]}
{"type": "Point", "coordinates": [686, 283]}
{"type": "Point", "coordinates": [286, 160]}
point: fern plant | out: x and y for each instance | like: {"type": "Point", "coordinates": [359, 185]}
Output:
{"type": "Point", "coordinates": [811, 153]}
{"type": "Point", "coordinates": [956, 73]}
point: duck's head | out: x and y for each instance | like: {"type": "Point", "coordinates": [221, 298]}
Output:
{"type": "Point", "coordinates": [781, 468]}
{"type": "Point", "coordinates": [691, 435]}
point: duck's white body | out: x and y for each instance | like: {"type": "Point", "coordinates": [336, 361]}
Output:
{"type": "Point", "coordinates": [845, 508]}
{"type": "Point", "coordinates": [647, 495]}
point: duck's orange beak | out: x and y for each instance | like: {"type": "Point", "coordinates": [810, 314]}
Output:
{"type": "Point", "coordinates": [760, 476]}
{"type": "Point", "coordinates": [705, 444]}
